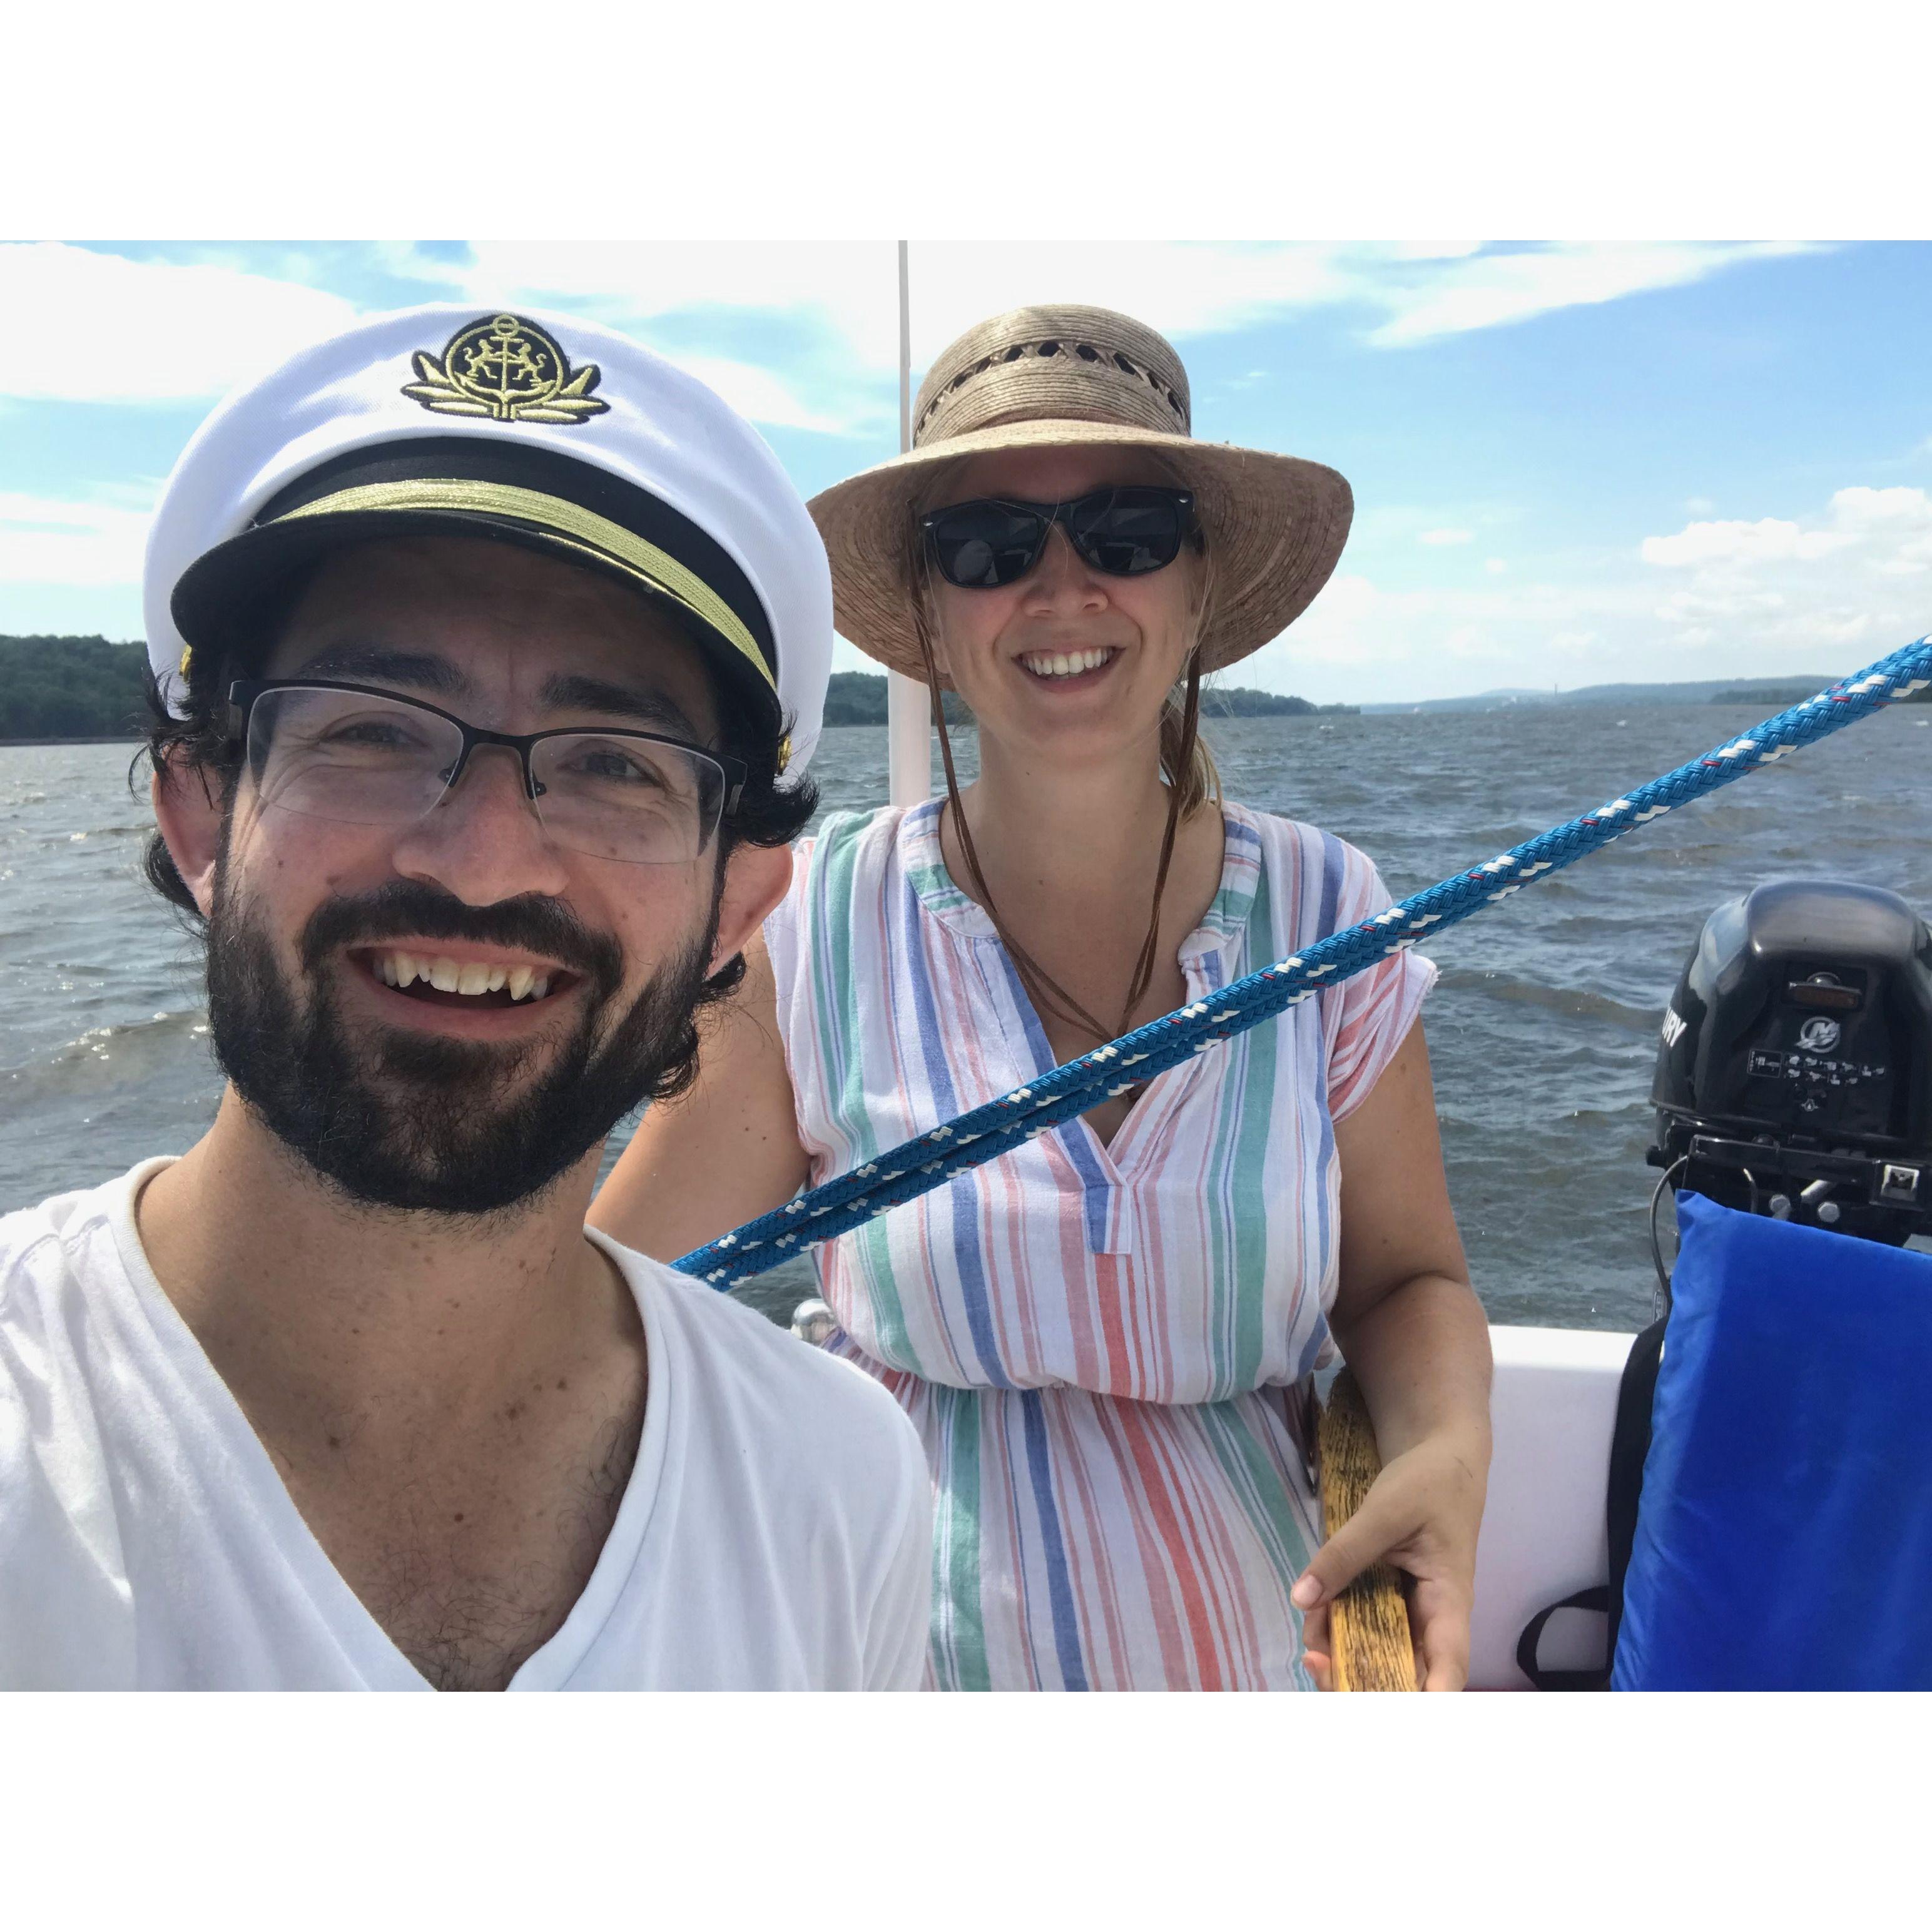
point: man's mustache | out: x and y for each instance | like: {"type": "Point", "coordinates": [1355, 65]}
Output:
{"type": "Point", "coordinates": [408, 907]}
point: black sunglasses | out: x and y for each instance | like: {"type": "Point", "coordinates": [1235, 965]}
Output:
{"type": "Point", "coordinates": [1124, 531]}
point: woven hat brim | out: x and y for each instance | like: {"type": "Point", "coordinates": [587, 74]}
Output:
{"type": "Point", "coordinates": [1275, 524]}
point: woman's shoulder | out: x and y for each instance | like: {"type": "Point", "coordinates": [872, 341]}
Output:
{"type": "Point", "coordinates": [1339, 879]}
{"type": "Point", "coordinates": [1274, 834]}
{"type": "Point", "coordinates": [849, 840]}
{"type": "Point", "coordinates": [848, 859]}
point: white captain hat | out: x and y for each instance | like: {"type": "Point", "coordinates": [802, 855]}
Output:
{"type": "Point", "coordinates": [535, 429]}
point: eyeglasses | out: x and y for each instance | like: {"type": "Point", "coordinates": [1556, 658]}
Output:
{"type": "Point", "coordinates": [996, 540]}
{"type": "Point", "coordinates": [354, 755]}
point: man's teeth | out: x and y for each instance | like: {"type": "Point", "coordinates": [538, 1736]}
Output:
{"type": "Point", "coordinates": [460, 976]}
{"type": "Point", "coordinates": [1065, 664]}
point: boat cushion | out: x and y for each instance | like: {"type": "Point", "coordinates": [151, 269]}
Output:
{"type": "Point", "coordinates": [1784, 1533]}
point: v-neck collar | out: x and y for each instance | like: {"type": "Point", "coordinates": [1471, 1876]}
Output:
{"type": "Point", "coordinates": [369, 1646]}
{"type": "Point", "coordinates": [1205, 958]}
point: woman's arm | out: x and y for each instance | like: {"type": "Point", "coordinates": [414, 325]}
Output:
{"type": "Point", "coordinates": [728, 1150]}
{"type": "Point", "coordinates": [1411, 1327]}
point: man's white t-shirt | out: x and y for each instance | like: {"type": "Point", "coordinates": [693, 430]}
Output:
{"type": "Point", "coordinates": [776, 1533]}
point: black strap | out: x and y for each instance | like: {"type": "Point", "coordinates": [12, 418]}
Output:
{"type": "Point", "coordinates": [1596, 1598]}
{"type": "Point", "coordinates": [1630, 1445]}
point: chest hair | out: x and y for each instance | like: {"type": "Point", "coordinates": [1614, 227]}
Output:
{"type": "Point", "coordinates": [470, 1555]}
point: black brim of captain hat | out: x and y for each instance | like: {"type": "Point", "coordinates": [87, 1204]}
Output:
{"type": "Point", "coordinates": [460, 486]}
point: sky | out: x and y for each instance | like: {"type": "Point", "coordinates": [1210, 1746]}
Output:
{"type": "Point", "coordinates": [1572, 463]}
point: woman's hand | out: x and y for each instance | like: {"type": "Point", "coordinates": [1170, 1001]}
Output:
{"type": "Point", "coordinates": [1412, 1330]}
{"type": "Point", "coordinates": [1421, 1515]}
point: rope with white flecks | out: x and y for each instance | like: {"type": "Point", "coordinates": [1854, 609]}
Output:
{"type": "Point", "coordinates": [909, 1170]}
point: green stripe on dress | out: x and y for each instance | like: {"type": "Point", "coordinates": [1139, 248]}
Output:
{"type": "Point", "coordinates": [835, 986]}
{"type": "Point", "coordinates": [959, 1623]}
{"type": "Point", "coordinates": [1253, 1473]}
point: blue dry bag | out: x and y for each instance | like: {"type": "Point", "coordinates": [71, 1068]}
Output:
{"type": "Point", "coordinates": [1783, 1535]}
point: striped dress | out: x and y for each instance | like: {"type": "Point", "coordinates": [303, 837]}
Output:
{"type": "Point", "coordinates": [1105, 1348]}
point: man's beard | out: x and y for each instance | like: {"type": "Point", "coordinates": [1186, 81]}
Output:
{"type": "Point", "coordinates": [394, 1118]}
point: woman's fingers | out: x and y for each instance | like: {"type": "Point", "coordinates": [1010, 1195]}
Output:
{"type": "Point", "coordinates": [1378, 1527]}
{"type": "Point", "coordinates": [1441, 1613]}
{"type": "Point", "coordinates": [1316, 1653]}
{"type": "Point", "coordinates": [1418, 1517]}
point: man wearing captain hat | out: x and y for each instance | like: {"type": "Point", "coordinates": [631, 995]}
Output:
{"type": "Point", "coordinates": [489, 653]}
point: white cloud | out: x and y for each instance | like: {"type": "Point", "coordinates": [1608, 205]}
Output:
{"type": "Point", "coordinates": [1892, 528]}
{"type": "Point", "coordinates": [849, 291]}
{"type": "Point", "coordinates": [45, 540]}
{"type": "Point", "coordinates": [1442, 537]}
{"type": "Point", "coordinates": [1770, 539]}
{"type": "Point", "coordinates": [850, 288]}
{"type": "Point", "coordinates": [1775, 596]}
{"type": "Point", "coordinates": [1861, 510]}
{"type": "Point", "coordinates": [1857, 578]}
{"type": "Point", "coordinates": [1362, 642]}
{"type": "Point", "coordinates": [85, 326]}
{"type": "Point", "coordinates": [1486, 291]}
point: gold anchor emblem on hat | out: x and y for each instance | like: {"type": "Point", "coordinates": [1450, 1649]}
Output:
{"type": "Point", "coordinates": [508, 370]}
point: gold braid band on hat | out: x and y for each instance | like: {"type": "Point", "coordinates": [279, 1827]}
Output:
{"type": "Point", "coordinates": [582, 529]}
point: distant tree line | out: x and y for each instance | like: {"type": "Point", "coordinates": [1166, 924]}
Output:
{"type": "Point", "coordinates": [858, 697]}
{"type": "Point", "coordinates": [88, 688]}
{"type": "Point", "coordinates": [71, 687]}
{"type": "Point", "coordinates": [1236, 700]}
{"type": "Point", "coordinates": [1781, 697]}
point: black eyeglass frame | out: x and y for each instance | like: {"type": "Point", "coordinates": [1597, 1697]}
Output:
{"type": "Point", "coordinates": [243, 693]}
{"type": "Point", "coordinates": [1062, 514]}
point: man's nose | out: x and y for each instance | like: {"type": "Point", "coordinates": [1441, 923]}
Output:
{"type": "Point", "coordinates": [483, 840]}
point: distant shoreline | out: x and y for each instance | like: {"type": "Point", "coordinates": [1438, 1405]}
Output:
{"type": "Point", "coordinates": [115, 738]}
{"type": "Point", "coordinates": [85, 684]}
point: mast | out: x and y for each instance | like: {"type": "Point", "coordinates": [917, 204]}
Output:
{"type": "Point", "coordinates": [908, 706]}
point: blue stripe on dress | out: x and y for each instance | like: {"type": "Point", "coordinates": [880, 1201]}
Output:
{"type": "Point", "coordinates": [962, 1193]}
{"type": "Point", "coordinates": [1095, 1190]}
{"type": "Point", "coordinates": [1059, 1584]}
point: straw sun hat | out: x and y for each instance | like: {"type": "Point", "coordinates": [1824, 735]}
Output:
{"type": "Point", "coordinates": [1066, 377]}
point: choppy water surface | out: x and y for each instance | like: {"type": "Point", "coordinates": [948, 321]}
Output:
{"type": "Point", "coordinates": [1543, 1029]}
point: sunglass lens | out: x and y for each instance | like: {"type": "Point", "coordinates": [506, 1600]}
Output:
{"type": "Point", "coordinates": [980, 546]}
{"type": "Point", "coordinates": [1130, 532]}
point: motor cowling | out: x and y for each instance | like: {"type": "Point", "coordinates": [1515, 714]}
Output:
{"type": "Point", "coordinates": [1794, 1076]}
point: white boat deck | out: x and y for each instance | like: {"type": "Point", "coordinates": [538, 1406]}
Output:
{"type": "Point", "coordinates": [1552, 1410]}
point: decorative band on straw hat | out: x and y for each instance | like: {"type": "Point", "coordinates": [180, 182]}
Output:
{"type": "Point", "coordinates": [1066, 377]}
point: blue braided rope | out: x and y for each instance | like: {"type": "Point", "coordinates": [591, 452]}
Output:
{"type": "Point", "coordinates": [909, 1170]}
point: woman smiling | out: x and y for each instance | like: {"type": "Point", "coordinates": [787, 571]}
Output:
{"type": "Point", "coordinates": [1106, 1337]}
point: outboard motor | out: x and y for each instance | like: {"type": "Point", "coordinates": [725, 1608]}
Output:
{"type": "Point", "coordinates": [1768, 1522]}
{"type": "Point", "coordinates": [1794, 1076]}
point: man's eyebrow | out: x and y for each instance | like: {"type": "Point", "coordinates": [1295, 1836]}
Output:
{"type": "Point", "coordinates": [572, 691]}
{"type": "Point", "coordinates": [371, 664]}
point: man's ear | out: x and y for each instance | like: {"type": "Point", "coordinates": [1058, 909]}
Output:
{"type": "Point", "coordinates": [188, 809]}
{"type": "Point", "coordinates": [755, 879]}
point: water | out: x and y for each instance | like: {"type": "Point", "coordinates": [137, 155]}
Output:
{"type": "Point", "coordinates": [1543, 1029]}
